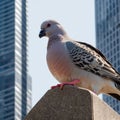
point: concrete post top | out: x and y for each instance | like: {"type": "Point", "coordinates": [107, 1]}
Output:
{"type": "Point", "coordinates": [71, 103]}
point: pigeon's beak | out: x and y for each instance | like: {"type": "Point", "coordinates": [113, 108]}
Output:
{"type": "Point", "coordinates": [42, 33]}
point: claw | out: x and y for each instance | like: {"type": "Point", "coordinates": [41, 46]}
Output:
{"type": "Point", "coordinates": [74, 82]}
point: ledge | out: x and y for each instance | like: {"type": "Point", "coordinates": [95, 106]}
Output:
{"type": "Point", "coordinates": [71, 103]}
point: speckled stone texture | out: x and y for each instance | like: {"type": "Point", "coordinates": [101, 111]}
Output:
{"type": "Point", "coordinates": [71, 103]}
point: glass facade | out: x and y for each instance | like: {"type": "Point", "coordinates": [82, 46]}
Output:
{"type": "Point", "coordinates": [107, 14]}
{"type": "Point", "coordinates": [15, 83]}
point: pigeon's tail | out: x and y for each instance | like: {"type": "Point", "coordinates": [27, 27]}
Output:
{"type": "Point", "coordinates": [117, 85]}
{"type": "Point", "coordinates": [116, 93]}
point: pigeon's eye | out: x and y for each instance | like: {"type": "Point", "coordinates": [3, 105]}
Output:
{"type": "Point", "coordinates": [48, 25]}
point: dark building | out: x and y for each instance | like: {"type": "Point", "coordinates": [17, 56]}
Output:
{"type": "Point", "coordinates": [107, 14]}
{"type": "Point", "coordinates": [15, 83]}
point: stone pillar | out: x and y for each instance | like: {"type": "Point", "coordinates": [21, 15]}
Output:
{"type": "Point", "coordinates": [71, 103]}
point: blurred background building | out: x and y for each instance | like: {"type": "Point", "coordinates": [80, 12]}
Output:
{"type": "Point", "coordinates": [107, 14]}
{"type": "Point", "coordinates": [15, 83]}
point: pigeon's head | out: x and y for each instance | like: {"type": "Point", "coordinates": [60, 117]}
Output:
{"type": "Point", "coordinates": [50, 28]}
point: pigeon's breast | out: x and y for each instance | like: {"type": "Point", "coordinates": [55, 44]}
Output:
{"type": "Point", "coordinates": [59, 62]}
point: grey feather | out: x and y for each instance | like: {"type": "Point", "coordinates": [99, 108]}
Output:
{"type": "Point", "coordinates": [92, 60]}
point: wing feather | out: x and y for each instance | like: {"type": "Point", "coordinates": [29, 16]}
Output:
{"type": "Point", "coordinates": [91, 59]}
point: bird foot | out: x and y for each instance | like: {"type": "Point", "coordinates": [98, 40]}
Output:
{"type": "Point", "coordinates": [74, 82]}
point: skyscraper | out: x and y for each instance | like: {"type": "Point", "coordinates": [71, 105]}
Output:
{"type": "Point", "coordinates": [107, 14]}
{"type": "Point", "coordinates": [15, 83]}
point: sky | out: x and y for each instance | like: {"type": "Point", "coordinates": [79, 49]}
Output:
{"type": "Point", "coordinates": [78, 19]}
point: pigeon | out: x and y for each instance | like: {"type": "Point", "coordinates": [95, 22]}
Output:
{"type": "Point", "coordinates": [78, 63]}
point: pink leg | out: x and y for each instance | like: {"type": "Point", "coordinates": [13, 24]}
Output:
{"type": "Point", "coordinates": [74, 82]}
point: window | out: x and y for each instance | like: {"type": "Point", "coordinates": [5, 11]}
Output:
{"type": "Point", "coordinates": [119, 69]}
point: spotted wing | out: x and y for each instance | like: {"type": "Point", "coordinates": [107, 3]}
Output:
{"type": "Point", "coordinates": [88, 58]}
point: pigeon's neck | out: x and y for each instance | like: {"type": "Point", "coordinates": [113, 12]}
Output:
{"type": "Point", "coordinates": [54, 39]}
